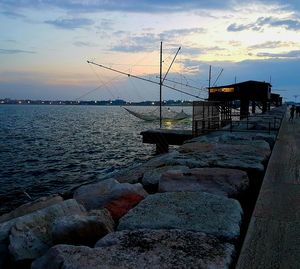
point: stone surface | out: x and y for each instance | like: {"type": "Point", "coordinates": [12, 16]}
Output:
{"type": "Point", "coordinates": [119, 207]}
{"type": "Point", "coordinates": [96, 196]}
{"type": "Point", "coordinates": [3, 255]}
{"type": "Point", "coordinates": [242, 157]}
{"type": "Point", "coordinates": [219, 181]}
{"type": "Point", "coordinates": [194, 211]}
{"type": "Point", "coordinates": [151, 178]}
{"type": "Point", "coordinates": [82, 230]}
{"type": "Point", "coordinates": [31, 234]}
{"type": "Point", "coordinates": [31, 207]}
{"type": "Point", "coordinates": [262, 153]}
{"type": "Point", "coordinates": [143, 249]}
{"type": "Point", "coordinates": [132, 174]}
{"type": "Point", "coordinates": [228, 137]}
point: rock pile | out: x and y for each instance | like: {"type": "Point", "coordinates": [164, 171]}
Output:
{"type": "Point", "coordinates": [191, 219]}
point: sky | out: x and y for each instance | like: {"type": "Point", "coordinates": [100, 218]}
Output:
{"type": "Point", "coordinates": [45, 45]}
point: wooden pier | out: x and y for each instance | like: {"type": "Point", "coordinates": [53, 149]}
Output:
{"type": "Point", "coordinates": [162, 138]}
{"type": "Point", "coordinates": [273, 236]}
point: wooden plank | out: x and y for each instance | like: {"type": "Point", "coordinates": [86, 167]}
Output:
{"type": "Point", "coordinates": [273, 236]}
{"type": "Point", "coordinates": [271, 244]}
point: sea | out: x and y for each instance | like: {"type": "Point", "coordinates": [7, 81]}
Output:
{"type": "Point", "coordinates": [48, 149]}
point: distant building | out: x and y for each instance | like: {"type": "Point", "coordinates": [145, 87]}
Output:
{"type": "Point", "coordinates": [256, 92]}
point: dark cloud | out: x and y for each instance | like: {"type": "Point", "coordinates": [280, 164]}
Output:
{"type": "Point", "coordinates": [11, 14]}
{"type": "Point", "coordinates": [234, 27]}
{"type": "Point", "coordinates": [271, 45]}
{"type": "Point", "coordinates": [115, 5]}
{"type": "Point", "coordinates": [290, 54]}
{"type": "Point", "coordinates": [15, 51]}
{"type": "Point", "coordinates": [70, 23]}
{"type": "Point", "coordinates": [84, 44]}
{"type": "Point", "coordinates": [289, 24]}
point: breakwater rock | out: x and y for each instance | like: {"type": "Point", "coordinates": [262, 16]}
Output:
{"type": "Point", "coordinates": [143, 249]}
{"type": "Point", "coordinates": [183, 209]}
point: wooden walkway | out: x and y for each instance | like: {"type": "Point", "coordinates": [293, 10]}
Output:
{"type": "Point", "coordinates": [273, 236]}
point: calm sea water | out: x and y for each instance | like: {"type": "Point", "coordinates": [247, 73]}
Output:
{"type": "Point", "coordinates": [50, 149]}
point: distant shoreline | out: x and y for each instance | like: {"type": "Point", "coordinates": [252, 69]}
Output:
{"type": "Point", "coordinates": [94, 103]}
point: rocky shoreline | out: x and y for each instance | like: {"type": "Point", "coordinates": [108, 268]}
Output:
{"type": "Point", "coordinates": [185, 209]}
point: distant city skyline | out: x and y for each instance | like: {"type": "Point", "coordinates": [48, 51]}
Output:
{"type": "Point", "coordinates": [44, 46]}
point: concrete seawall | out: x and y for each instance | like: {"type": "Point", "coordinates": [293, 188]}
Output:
{"type": "Point", "coordinates": [189, 208]}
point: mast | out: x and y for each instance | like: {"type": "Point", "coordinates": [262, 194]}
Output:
{"type": "Point", "coordinates": [160, 86]}
{"type": "Point", "coordinates": [209, 77]}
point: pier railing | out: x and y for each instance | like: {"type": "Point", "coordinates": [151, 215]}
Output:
{"type": "Point", "coordinates": [263, 123]}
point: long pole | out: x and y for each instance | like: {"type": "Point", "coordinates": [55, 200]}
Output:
{"type": "Point", "coordinates": [209, 77]}
{"type": "Point", "coordinates": [160, 87]}
{"type": "Point", "coordinates": [144, 79]}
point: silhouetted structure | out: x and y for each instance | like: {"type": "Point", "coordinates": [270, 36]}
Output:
{"type": "Point", "coordinates": [258, 93]}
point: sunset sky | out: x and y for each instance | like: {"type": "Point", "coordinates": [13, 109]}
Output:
{"type": "Point", "coordinates": [44, 46]}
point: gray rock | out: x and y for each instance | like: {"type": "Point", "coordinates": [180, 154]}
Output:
{"type": "Point", "coordinates": [82, 230]}
{"type": "Point", "coordinates": [95, 196]}
{"type": "Point", "coordinates": [262, 153]}
{"type": "Point", "coordinates": [152, 177]}
{"type": "Point", "coordinates": [228, 137]}
{"type": "Point", "coordinates": [31, 207]}
{"type": "Point", "coordinates": [219, 181]}
{"type": "Point", "coordinates": [132, 174]}
{"type": "Point", "coordinates": [242, 157]}
{"type": "Point", "coordinates": [193, 211]}
{"type": "Point", "coordinates": [31, 234]}
{"type": "Point", "coordinates": [143, 249]}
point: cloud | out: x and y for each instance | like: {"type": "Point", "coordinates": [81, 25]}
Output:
{"type": "Point", "coordinates": [135, 43]}
{"type": "Point", "coordinates": [70, 23]}
{"type": "Point", "coordinates": [272, 45]}
{"type": "Point", "coordinates": [174, 33]}
{"type": "Point", "coordinates": [237, 27]}
{"type": "Point", "coordinates": [15, 51]}
{"type": "Point", "coordinates": [290, 54]}
{"type": "Point", "coordinates": [288, 23]}
{"type": "Point", "coordinates": [11, 14]}
{"type": "Point", "coordinates": [126, 6]}
{"type": "Point", "coordinates": [148, 42]}
{"type": "Point", "coordinates": [84, 44]}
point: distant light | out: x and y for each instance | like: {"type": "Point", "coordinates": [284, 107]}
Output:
{"type": "Point", "coordinates": [2, 102]}
{"type": "Point", "coordinates": [42, 102]}
{"type": "Point", "coordinates": [28, 102]}
{"type": "Point", "coordinates": [111, 102]}
{"type": "Point", "coordinates": [152, 103]}
{"type": "Point", "coordinates": [182, 101]}
{"type": "Point", "coordinates": [20, 102]}
{"type": "Point", "coordinates": [95, 102]}
{"type": "Point", "coordinates": [60, 103]}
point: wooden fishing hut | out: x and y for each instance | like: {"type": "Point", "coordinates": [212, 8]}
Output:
{"type": "Point", "coordinates": [255, 92]}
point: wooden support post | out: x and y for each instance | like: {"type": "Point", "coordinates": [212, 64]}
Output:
{"type": "Point", "coordinates": [162, 147]}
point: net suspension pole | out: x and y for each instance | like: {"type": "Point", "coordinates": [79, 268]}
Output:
{"type": "Point", "coordinates": [160, 87]}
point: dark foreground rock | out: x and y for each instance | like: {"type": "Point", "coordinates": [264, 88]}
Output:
{"type": "Point", "coordinates": [96, 196]}
{"type": "Point", "coordinates": [31, 207]}
{"type": "Point", "coordinates": [219, 181]}
{"type": "Point", "coordinates": [151, 177]}
{"type": "Point", "coordinates": [193, 211]}
{"type": "Point", "coordinates": [81, 229]}
{"type": "Point", "coordinates": [30, 235]}
{"type": "Point", "coordinates": [143, 249]}
{"type": "Point", "coordinates": [120, 206]}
